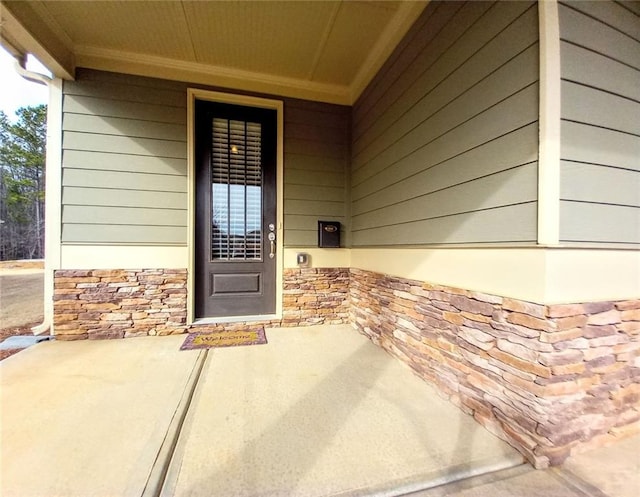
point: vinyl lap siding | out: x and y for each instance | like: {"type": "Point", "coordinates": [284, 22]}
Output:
{"type": "Point", "coordinates": [124, 164]}
{"type": "Point", "coordinates": [316, 155]}
{"type": "Point", "coordinates": [444, 145]}
{"type": "Point", "coordinates": [600, 148]}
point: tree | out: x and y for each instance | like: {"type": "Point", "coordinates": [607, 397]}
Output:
{"type": "Point", "coordinates": [22, 179]}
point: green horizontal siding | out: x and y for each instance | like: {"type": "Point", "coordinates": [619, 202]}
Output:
{"type": "Point", "coordinates": [123, 145]}
{"type": "Point", "coordinates": [124, 177]}
{"type": "Point", "coordinates": [128, 89]}
{"type": "Point", "coordinates": [490, 69]}
{"type": "Point", "coordinates": [471, 227]}
{"type": "Point", "coordinates": [313, 163]}
{"type": "Point", "coordinates": [118, 233]}
{"type": "Point", "coordinates": [321, 209]}
{"type": "Point", "coordinates": [604, 109]}
{"type": "Point", "coordinates": [314, 192]}
{"type": "Point", "coordinates": [490, 158]}
{"type": "Point", "coordinates": [601, 35]}
{"type": "Point", "coordinates": [315, 177]}
{"type": "Point", "coordinates": [132, 216]}
{"type": "Point", "coordinates": [132, 128]}
{"type": "Point", "coordinates": [587, 222]}
{"type": "Point", "coordinates": [509, 187]}
{"type": "Point", "coordinates": [83, 159]}
{"type": "Point", "coordinates": [583, 65]}
{"type": "Point", "coordinates": [316, 155]}
{"type": "Point", "coordinates": [582, 142]}
{"type": "Point", "coordinates": [428, 146]}
{"type": "Point", "coordinates": [125, 169]}
{"type": "Point", "coordinates": [438, 28]}
{"type": "Point", "coordinates": [81, 196]}
{"type": "Point", "coordinates": [122, 108]}
{"type": "Point", "coordinates": [117, 181]}
{"type": "Point", "coordinates": [445, 137]}
{"type": "Point", "coordinates": [600, 138]}
{"type": "Point", "coordinates": [297, 222]}
{"type": "Point", "coordinates": [590, 183]}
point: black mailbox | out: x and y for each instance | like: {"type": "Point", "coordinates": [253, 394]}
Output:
{"type": "Point", "coordinates": [328, 234]}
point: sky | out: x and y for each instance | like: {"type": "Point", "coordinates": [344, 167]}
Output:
{"type": "Point", "coordinates": [15, 91]}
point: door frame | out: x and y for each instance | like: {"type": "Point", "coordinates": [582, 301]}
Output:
{"type": "Point", "coordinates": [194, 94]}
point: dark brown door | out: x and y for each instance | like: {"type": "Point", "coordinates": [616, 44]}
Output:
{"type": "Point", "coordinates": [235, 260]}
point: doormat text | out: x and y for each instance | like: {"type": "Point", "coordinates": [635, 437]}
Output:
{"type": "Point", "coordinates": [224, 339]}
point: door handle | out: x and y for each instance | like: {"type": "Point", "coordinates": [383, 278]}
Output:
{"type": "Point", "coordinates": [272, 243]}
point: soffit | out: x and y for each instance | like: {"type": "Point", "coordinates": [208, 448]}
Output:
{"type": "Point", "coordinates": [156, 28]}
{"type": "Point", "coordinates": [323, 50]}
{"type": "Point", "coordinates": [357, 26]}
{"type": "Point", "coordinates": [277, 38]}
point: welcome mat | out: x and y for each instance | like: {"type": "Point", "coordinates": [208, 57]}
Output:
{"type": "Point", "coordinates": [224, 339]}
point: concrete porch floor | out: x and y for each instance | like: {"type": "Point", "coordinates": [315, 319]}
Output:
{"type": "Point", "coordinates": [318, 411]}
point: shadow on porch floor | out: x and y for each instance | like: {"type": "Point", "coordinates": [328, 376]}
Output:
{"type": "Point", "coordinates": [318, 411]}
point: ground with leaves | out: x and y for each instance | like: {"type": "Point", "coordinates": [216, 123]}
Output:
{"type": "Point", "coordinates": [21, 294]}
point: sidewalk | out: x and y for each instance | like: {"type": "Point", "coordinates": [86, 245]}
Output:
{"type": "Point", "coordinates": [317, 412]}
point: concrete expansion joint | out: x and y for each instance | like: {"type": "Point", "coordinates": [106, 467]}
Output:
{"type": "Point", "coordinates": [456, 478]}
{"type": "Point", "coordinates": [453, 486]}
{"type": "Point", "coordinates": [160, 468]}
{"type": "Point", "coordinates": [579, 484]}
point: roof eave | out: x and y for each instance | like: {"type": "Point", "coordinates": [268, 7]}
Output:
{"type": "Point", "coordinates": [23, 32]}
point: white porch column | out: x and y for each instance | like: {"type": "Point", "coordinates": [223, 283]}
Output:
{"type": "Point", "coordinates": [549, 125]}
{"type": "Point", "coordinates": [53, 200]}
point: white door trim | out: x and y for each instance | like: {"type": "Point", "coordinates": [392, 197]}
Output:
{"type": "Point", "coordinates": [194, 94]}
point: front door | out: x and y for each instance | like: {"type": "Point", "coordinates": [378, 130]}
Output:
{"type": "Point", "coordinates": [235, 260]}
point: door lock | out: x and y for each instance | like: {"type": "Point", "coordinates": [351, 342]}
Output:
{"type": "Point", "coordinates": [272, 242]}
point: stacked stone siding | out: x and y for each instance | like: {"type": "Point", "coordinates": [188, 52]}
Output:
{"type": "Point", "coordinates": [315, 296]}
{"type": "Point", "coordinates": [119, 303]}
{"type": "Point", "coordinates": [127, 303]}
{"type": "Point", "coordinates": [311, 296]}
{"type": "Point", "coordinates": [548, 379]}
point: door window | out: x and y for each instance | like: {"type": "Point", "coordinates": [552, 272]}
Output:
{"type": "Point", "coordinates": [236, 190]}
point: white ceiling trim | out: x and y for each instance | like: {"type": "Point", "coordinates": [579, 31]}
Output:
{"type": "Point", "coordinates": [404, 18]}
{"type": "Point", "coordinates": [195, 72]}
{"type": "Point", "coordinates": [65, 59]}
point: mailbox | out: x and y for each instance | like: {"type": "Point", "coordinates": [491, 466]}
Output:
{"type": "Point", "coordinates": [328, 234]}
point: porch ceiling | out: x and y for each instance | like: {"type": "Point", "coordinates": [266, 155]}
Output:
{"type": "Point", "coordinates": [321, 50]}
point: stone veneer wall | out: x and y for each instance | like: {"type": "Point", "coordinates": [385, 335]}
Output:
{"type": "Point", "coordinates": [118, 303]}
{"type": "Point", "coordinates": [548, 379]}
{"type": "Point", "coordinates": [315, 296]}
{"type": "Point", "coordinates": [128, 303]}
